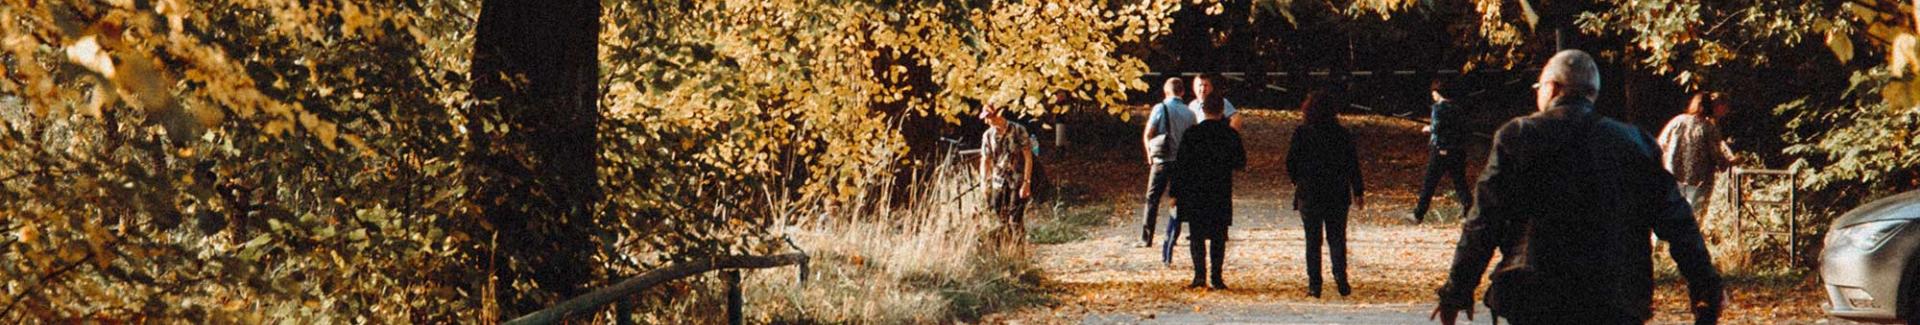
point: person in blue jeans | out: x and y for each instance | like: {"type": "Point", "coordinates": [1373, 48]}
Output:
{"type": "Point", "coordinates": [1446, 157]}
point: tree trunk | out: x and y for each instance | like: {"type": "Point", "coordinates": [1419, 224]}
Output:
{"type": "Point", "coordinates": [535, 73]}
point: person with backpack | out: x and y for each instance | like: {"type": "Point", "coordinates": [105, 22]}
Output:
{"type": "Point", "coordinates": [1203, 190]}
{"type": "Point", "coordinates": [1325, 169]}
{"type": "Point", "coordinates": [1569, 198]}
{"type": "Point", "coordinates": [1165, 123]}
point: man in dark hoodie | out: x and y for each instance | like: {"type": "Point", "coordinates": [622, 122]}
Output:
{"type": "Point", "coordinates": [1203, 189]}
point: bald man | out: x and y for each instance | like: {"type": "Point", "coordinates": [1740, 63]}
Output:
{"type": "Point", "coordinates": [1569, 197]}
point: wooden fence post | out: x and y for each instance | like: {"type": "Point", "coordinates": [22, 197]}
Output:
{"type": "Point", "coordinates": [734, 300]}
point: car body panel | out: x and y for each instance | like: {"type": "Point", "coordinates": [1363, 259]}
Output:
{"type": "Point", "coordinates": [1866, 284]}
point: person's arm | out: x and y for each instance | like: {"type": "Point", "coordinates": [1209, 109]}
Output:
{"type": "Point", "coordinates": [1724, 150]}
{"type": "Point", "coordinates": [1237, 152]}
{"type": "Point", "coordinates": [1673, 222]}
{"type": "Point", "coordinates": [1233, 114]}
{"type": "Point", "coordinates": [986, 148]}
{"type": "Point", "coordinates": [1026, 171]}
{"type": "Point", "coordinates": [1354, 178]}
{"type": "Point", "coordinates": [1153, 127]}
{"type": "Point", "coordinates": [1294, 160]}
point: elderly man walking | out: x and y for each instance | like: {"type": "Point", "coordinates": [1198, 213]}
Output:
{"type": "Point", "coordinates": [1569, 197]}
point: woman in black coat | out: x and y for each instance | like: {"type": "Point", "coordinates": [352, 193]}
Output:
{"type": "Point", "coordinates": [1326, 177]}
{"type": "Point", "coordinates": [1203, 189]}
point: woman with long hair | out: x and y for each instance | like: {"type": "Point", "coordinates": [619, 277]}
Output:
{"type": "Point", "coordinates": [1325, 170]}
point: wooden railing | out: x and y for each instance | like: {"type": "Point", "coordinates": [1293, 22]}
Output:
{"type": "Point", "coordinates": [730, 265]}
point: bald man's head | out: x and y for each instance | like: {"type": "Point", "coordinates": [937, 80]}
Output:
{"type": "Point", "coordinates": [1568, 73]}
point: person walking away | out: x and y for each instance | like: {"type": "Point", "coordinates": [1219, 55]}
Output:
{"type": "Point", "coordinates": [1569, 198]}
{"type": "Point", "coordinates": [1446, 156]}
{"type": "Point", "coordinates": [1203, 191]}
{"type": "Point", "coordinates": [1006, 170]}
{"type": "Point", "coordinates": [1325, 170]}
{"type": "Point", "coordinates": [1165, 123]}
{"type": "Point", "coordinates": [1694, 151]}
{"type": "Point", "coordinates": [1204, 91]}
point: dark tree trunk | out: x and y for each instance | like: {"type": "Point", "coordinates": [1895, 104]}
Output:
{"type": "Point", "coordinates": [535, 72]}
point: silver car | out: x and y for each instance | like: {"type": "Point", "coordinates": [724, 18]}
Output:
{"type": "Point", "coordinates": [1870, 268]}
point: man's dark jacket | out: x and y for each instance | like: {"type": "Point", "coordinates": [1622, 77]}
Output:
{"type": "Point", "coordinates": [1203, 176]}
{"type": "Point", "coordinates": [1569, 198]}
{"type": "Point", "coordinates": [1449, 126]}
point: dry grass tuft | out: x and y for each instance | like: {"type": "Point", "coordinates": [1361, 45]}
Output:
{"type": "Point", "coordinates": [923, 261]}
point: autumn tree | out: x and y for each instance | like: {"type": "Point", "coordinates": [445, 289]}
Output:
{"type": "Point", "coordinates": [535, 71]}
{"type": "Point", "coordinates": [443, 161]}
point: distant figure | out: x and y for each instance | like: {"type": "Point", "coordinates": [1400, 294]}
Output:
{"type": "Point", "coordinates": [1006, 169]}
{"type": "Point", "coordinates": [1165, 124]}
{"type": "Point", "coordinates": [1447, 157]}
{"type": "Point", "coordinates": [1204, 91]}
{"type": "Point", "coordinates": [1325, 170]}
{"type": "Point", "coordinates": [1569, 198]}
{"type": "Point", "coordinates": [1203, 190]}
{"type": "Point", "coordinates": [1693, 150]}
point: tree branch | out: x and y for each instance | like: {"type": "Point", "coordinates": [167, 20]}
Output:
{"type": "Point", "coordinates": [601, 297]}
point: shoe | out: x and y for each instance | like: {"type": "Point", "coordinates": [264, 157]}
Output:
{"type": "Point", "coordinates": [1418, 218]}
{"type": "Point", "coordinates": [1219, 285]}
{"type": "Point", "coordinates": [1196, 284]}
{"type": "Point", "coordinates": [1345, 290]}
{"type": "Point", "coordinates": [1146, 237]}
{"type": "Point", "coordinates": [1313, 291]}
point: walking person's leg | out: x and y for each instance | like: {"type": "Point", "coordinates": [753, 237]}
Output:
{"type": "Point", "coordinates": [1435, 169]}
{"type": "Point", "coordinates": [1173, 237]}
{"type": "Point", "coordinates": [1462, 186]}
{"type": "Point", "coordinates": [1196, 244]}
{"type": "Point", "coordinates": [1217, 248]}
{"type": "Point", "coordinates": [1313, 225]}
{"type": "Point", "coordinates": [1336, 224]}
{"type": "Point", "coordinates": [1156, 188]}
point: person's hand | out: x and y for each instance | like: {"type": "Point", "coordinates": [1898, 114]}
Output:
{"type": "Point", "coordinates": [1426, 129]}
{"type": "Point", "coordinates": [1447, 316]}
{"type": "Point", "coordinates": [1443, 152]}
{"type": "Point", "coordinates": [1026, 192]}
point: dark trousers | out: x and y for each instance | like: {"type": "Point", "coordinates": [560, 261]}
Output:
{"type": "Point", "coordinates": [1209, 247]}
{"type": "Point", "coordinates": [1330, 225]}
{"type": "Point", "coordinates": [1012, 211]}
{"type": "Point", "coordinates": [1453, 165]}
{"type": "Point", "coordinates": [1157, 177]}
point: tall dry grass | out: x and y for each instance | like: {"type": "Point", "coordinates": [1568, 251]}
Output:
{"type": "Point", "coordinates": [923, 260]}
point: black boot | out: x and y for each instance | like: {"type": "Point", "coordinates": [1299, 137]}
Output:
{"type": "Point", "coordinates": [1313, 289]}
